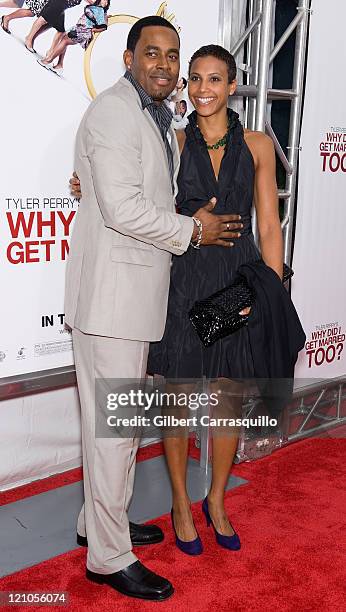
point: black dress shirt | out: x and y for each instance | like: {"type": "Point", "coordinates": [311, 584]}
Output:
{"type": "Point", "coordinates": [161, 114]}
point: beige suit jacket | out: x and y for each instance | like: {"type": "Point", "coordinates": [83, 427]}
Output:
{"type": "Point", "coordinates": [126, 228]}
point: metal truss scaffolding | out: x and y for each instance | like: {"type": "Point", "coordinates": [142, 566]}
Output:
{"type": "Point", "coordinates": [258, 40]}
{"type": "Point", "coordinates": [317, 409]}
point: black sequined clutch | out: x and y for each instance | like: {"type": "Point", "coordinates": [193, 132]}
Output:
{"type": "Point", "coordinates": [218, 315]}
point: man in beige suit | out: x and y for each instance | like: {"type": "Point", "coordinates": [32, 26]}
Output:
{"type": "Point", "coordinates": [117, 281]}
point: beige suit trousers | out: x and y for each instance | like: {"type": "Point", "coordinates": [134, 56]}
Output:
{"type": "Point", "coordinates": [108, 463]}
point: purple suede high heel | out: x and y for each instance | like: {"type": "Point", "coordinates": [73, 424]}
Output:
{"type": "Point", "coordinates": [194, 547]}
{"type": "Point", "coordinates": [230, 542]}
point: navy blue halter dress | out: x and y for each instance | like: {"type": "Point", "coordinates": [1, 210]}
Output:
{"type": "Point", "coordinates": [198, 273]}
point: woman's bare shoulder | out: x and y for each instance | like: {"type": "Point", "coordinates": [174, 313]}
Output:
{"type": "Point", "coordinates": [257, 139]}
{"type": "Point", "coordinates": [260, 145]}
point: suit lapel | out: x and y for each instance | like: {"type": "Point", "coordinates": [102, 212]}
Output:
{"type": "Point", "coordinates": [157, 135]}
{"type": "Point", "coordinates": [156, 131]}
{"type": "Point", "coordinates": [146, 114]}
{"type": "Point", "coordinates": [176, 157]}
{"type": "Point", "coordinates": [174, 146]}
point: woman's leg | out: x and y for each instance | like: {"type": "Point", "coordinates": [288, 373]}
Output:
{"type": "Point", "coordinates": [34, 32]}
{"type": "Point", "coordinates": [56, 40]}
{"type": "Point", "coordinates": [176, 451]}
{"type": "Point", "coordinates": [17, 15]}
{"type": "Point", "coordinates": [225, 442]}
{"type": "Point", "coordinates": [41, 31]}
{"type": "Point", "coordinates": [176, 456]}
{"type": "Point", "coordinates": [60, 64]}
{"type": "Point", "coordinates": [39, 26]}
{"type": "Point", "coordinates": [58, 50]}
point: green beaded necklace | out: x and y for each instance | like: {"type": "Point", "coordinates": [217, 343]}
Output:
{"type": "Point", "coordinates": [220, 143]}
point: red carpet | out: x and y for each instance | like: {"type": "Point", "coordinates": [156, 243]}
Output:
{"type": "Point", "coordinates": [291, 519]}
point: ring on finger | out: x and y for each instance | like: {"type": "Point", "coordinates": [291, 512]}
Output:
{"type": "Point", "coordinates": [228, 226]}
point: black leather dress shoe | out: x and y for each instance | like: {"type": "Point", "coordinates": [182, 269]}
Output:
{"type": "Point", "coordinates": [136, 580]}
{"type": "Point", "coordinates": [140, 535]}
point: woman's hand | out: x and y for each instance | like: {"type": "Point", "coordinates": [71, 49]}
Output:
{"type": "Point", "coordinates": [216, 228]}
{"type": "Point", "coordinates": [75, 186]}
{"type": "Point", "coordinates": [245, 311]}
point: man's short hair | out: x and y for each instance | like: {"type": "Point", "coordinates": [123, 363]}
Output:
{"type": "Point", "coordinates": [151, 20]}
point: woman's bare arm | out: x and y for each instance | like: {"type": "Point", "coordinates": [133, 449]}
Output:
{"type": "Point", "coordinates": [266, 200]}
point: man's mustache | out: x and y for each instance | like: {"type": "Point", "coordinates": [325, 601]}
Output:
{"type": "Point", "coordinates": [162, 75]}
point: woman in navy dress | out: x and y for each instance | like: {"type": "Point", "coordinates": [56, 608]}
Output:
{"type": "Point", "coordinates": [218, 159]}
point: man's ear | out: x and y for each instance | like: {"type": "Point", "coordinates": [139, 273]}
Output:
{"type": "Point", "coordinates": [128, 59]}
{"type": "Point", "coordinates": [233, 87]}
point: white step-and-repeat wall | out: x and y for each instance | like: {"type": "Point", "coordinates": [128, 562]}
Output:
{"type": "Point", "coordinates": [319, 284]}
{"type": "Point", "coordinates": [40, 115]}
